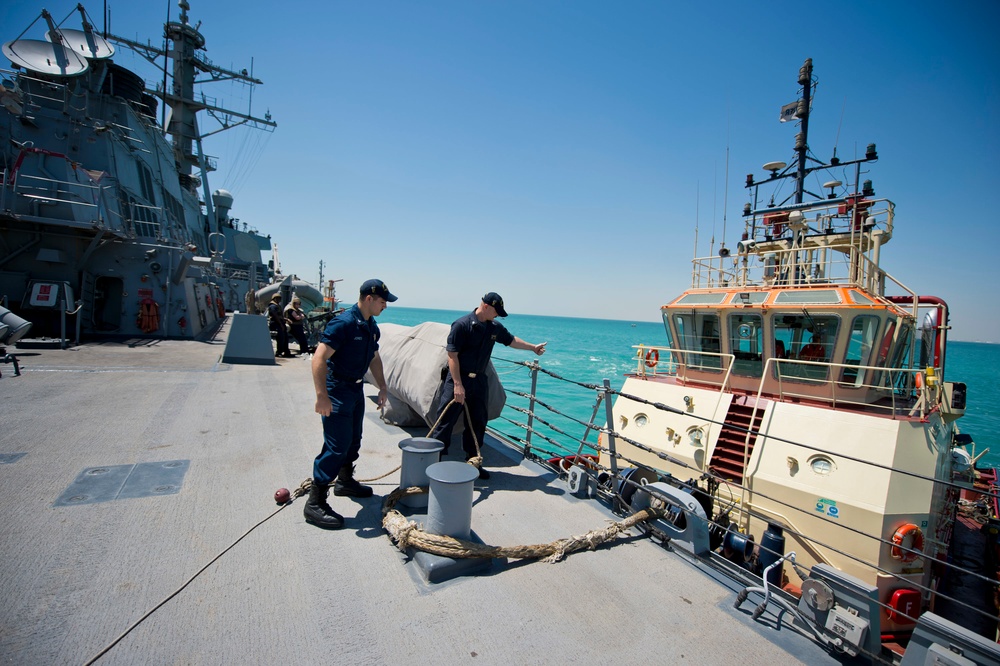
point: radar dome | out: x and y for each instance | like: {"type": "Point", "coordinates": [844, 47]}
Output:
{"type": "Point", "coordinates": [223, 201]}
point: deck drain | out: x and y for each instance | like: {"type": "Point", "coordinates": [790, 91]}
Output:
{"type": "Point", "coordinates": [102, 484]}
{"type": "Point", "coordinates": [9, 458]}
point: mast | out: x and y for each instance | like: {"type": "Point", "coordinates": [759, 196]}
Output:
{"type": "Point", "coordinates": [802, 138]}
{"type": "Point", "coordinates": [186, 42]}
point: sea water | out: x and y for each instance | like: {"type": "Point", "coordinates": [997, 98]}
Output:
{"type": "Point", "coordinates": [588, 351]}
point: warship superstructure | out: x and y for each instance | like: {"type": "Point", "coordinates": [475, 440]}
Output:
{"type": "Point", "coordinates": [107, 223]}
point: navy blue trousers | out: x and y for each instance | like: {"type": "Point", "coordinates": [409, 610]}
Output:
{"type": "Point", "coordinates": [341, 430]}
{"type": "Point", "coordinates": [477, 395]}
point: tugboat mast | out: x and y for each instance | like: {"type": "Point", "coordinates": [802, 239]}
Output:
{"type": "Point", "coordinates": [802, 138]}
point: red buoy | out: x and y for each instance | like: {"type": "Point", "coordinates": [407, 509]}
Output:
{"type": "Point", "coordinates": [282, 495]}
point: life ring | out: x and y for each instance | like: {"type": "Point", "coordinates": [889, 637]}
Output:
{"type": "Point", "coordinates": [652, 358]}
{"type": "Point", "coordinates": [564, 463]}
{"type": "Point", "coordinates": [917, 544]}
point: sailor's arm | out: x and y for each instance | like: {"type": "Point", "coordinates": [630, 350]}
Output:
{"type": "Point", "coordinates": [456, 376]}
{"type": "Point", "coordinates": [378, 372]}
{"type": "Point", "coordinates": [323, 353]}
{"type": "Point", "coordinates": [527, 346]}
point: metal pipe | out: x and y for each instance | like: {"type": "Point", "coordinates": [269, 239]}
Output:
{"type": "Point", "coordinates": [531, 406]}
{"type": "Point", "coordinates": [609, 413]}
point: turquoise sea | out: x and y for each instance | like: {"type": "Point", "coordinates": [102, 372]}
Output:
{"type": "Point", "coordinates": [587, 351]}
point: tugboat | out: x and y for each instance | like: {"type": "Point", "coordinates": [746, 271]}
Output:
{"type": "Point", "coordinates": [802, 413]}
{"type": "Point", "coordinates": [109, 227]}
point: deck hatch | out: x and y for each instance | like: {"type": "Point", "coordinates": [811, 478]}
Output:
{"type": "Point", "coordinates": [102, 484]}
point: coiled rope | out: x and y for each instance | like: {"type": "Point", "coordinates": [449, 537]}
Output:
{"type": "Point", "coordinates": [406, 533]}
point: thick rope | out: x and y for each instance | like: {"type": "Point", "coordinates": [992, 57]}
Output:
{"type": "Point", "coordinates": [406, 533]}
{"type": "Point", "coordinates": [477, 460]}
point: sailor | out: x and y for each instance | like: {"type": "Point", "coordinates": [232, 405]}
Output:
{"type": "Point", "coordinates": [470, 343]}
{"type": "Point", "coordinates": [296, 319]}
{"type": "Point", "coordinates": [815, 350]}
{"type": "Point", "coordinates": [348, 347]}
{"type": "Point", "coordinates": [276, 322]}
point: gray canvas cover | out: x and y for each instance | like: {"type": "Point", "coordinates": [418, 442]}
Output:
{"type": "Point", "coordinates": [415, 361]}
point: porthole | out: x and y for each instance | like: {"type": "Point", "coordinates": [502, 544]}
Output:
{"type": "Point", "coordinates": [822, 465]}
{"type": "Point", "coordinates": [640, 420]}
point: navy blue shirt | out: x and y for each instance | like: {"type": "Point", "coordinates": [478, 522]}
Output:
{"type": "Point", "coordinates": [355, 342]}
{"type": "Point", "coordinates": [473, 340]}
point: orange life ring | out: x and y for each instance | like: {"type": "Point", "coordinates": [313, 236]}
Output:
{"type": "Point", "coordinates": [917, 544]}
{"type": "Point", "coordinates": [587, 460]}
{"type": "Point", "coordinates": [652, 358]}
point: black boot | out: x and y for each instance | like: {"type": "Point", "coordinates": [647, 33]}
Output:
{"type": "Point", "coordinates": [348, 486]}
{"type": "Point", "coordinates": [318, 512]}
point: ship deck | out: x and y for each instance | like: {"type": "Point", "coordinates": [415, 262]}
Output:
{"type": "Point", "coordinates": [78, 570]}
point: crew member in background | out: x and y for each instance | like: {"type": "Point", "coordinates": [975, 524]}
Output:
{"type": "Point", "coordinates": [296, 319]}
{"type": "Point", "coordinates": [347, 348]}
{"type": "Point", "coordinates": [470, 344]}
{"type": "Point", "coordinates": [815, 350]}
{"type": "Point", "coordinates": [276, 322]}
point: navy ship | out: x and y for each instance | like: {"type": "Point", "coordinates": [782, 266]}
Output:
{"type": "Point", "coordinates": [107, 220]}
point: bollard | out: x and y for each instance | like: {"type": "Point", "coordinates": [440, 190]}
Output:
{"type": "Point", "coordinates": [418, 454]}
{"type": "Point", "coordinates": [449, 508]}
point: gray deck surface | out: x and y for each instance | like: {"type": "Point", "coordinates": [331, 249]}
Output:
{"type": "Point", "coordinates": [73, 578]}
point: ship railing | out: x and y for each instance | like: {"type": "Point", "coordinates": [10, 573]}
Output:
{"type": "Point", "coordinates": [230, 273]}
{"type": "Point", "coordinates": [28, 192]}
{"type": "Point", "coordinates": [828, 250]}
{"type": "Point", "coordinates": [532, 423]}
{"type": "Point", "coordinates": [841, 385]}
{"type": "Point", "coordinates": [713, 368]}
{"type": "Point", "coordinates": [34, 93]}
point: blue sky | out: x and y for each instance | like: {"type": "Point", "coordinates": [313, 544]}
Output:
{"type": "Point", "coordinates": [560, 153]}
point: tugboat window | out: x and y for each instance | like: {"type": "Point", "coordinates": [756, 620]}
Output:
{"type": "Point", "coordinates": [859, 348]}
{"type": "Point", "coordinates": [746, 343]}
{"type": "Point", "coordinates": [698, 333]}
{"type": "Point", "coordinates": [805, 337]}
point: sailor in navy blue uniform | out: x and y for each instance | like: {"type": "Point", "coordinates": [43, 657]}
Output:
{"type": "Point", "coordinates": [470, 344]}
{"type": "Point", "coordinates": [347, 348]}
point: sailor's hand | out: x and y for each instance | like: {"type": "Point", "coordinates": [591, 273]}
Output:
{"type": "Point", "coordinates": [323, 405]}
{"type": "Point", "coordinates": [540, 348]}
{"type": "Point", "coordinates": [383, 394]}
{"type": "Point", "coordinates": [459, 394]}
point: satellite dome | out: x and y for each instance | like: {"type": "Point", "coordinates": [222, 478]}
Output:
{"type": "Point", "coordinates": [222, 198]}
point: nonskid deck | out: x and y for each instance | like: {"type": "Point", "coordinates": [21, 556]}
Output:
{"type": "Point", "coordinates": [76, 576]}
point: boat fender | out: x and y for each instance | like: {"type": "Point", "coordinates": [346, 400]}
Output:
{"type": "Point", "coordinates": [917, 544]}
{"type": "Point", "coordinates": [652, 358]}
